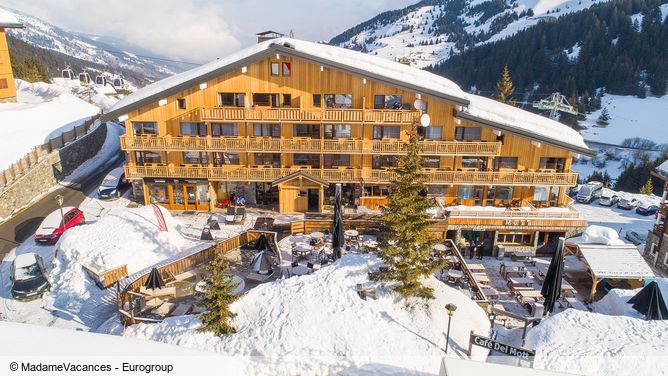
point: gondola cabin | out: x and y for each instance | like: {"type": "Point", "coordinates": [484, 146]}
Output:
{"type": "Point", "coordinates": [67, 74]}
{"type": "Point", "coordinates": [119, 82]}
{"type": "Point", "coordinates": [101, 80]}
{"type": "Point", "coordinates": [84, 78]}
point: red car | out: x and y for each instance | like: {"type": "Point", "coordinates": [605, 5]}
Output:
{"type": "Point", "coordinates": [56, 223]}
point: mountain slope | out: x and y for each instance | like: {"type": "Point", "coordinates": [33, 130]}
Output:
{"type": "Point", "coordinates": [433, 30]}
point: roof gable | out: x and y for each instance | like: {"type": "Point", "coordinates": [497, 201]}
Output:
{"type": "Point", "coordinates": [301, 174]}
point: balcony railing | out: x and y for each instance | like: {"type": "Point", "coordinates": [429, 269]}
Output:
{"type": "Point", "coordinates": [305, 145]}
{"type": "Point", "coordinates": [330, 115]}
{"type": "Point", "coordinates": [350, 175]}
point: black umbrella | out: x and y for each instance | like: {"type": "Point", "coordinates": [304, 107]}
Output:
{"type": "Point", "coordinates": [337, 226]}
{"type": "Point", "coordinates": [154, 280]}
{"type": "Point", "coordinates": [261, 244]}
{"type": "Point", "coordinates": [551, 290]}
{"type": "Point", "coordinates": [262, 263]}
{"type": "Point", "coordinates": [649, 302]}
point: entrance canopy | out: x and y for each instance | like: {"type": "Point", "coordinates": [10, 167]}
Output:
{"type": "Point", "coordinates": [299, 175]}
{"type": "Point", "coordinates": [615, 261]}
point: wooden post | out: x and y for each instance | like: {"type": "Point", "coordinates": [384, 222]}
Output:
{"type": "Point", "coordinates": [470, 350]}
{"type": "Point", "coordinates": [594, 284]}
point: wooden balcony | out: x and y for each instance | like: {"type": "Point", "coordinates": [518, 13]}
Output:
{"type": "Point", "coordinates": [316, 115]}
{"type": "Point", "coordinates": [306, 145]}
{"type": "Point", "coordinates": [350, 175]}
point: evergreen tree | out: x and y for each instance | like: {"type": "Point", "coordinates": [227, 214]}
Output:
{"type": "Point", "coordinates": [405, 242]}
{"type": "Point", "coordinates": [504, 88]}
{"type": "Point", "coordinates": [217, 299]}
{"type": "Point", "coordinates": [603, 119]}
{"type": "Point", "coordinates": [647, 188]}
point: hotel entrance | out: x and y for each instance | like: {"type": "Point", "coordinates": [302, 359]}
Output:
{"type": "Point", "coordinates": [178, 194]}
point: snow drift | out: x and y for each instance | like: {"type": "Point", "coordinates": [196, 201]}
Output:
{"type": "Point", "coordinates": [600, 235]}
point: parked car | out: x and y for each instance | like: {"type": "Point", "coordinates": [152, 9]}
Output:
{"type": "Point", "coordinates": [627, 203]}
{"type": "Point", "coordinates": [29, 277]}
{"type": "Point", "coordinates": [635, 237]}
{"type": "Point", "coordinates": [589, 192]}
{"type": "Point", "coordinates": [55, 224]}
{"type": "Point", "coordinates": [646, 208]}
{"type": "Point", "coordinates": [113, 184]}
{"type": "Point", "coordinates": [573, 191]}
{"type": "Point", "coordinates": [608, 198]}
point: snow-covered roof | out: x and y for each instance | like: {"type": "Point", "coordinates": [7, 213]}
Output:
{"type": "Point", "coordinates": [663, 168]}
{"type": "Point", "coordinates": [25, 259]}
{"type": "Point", "coordinates": [615, 261]}
{"type": "Point", "coordinates": [8, 19]}
{"type": "Point", "coordinates": [504, 117]}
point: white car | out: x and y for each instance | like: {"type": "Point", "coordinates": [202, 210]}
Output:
{"type": "Point", "coordinates": [627, 203]}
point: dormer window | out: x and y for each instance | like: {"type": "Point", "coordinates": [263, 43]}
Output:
{"type": "Point", "coordinates": [181, 102]}
{"type": "Point", "coordinates": [274, 69]}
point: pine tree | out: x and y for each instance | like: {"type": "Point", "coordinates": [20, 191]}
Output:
{"type": "Point", "coordinates": [504, 88]}
{"type": "Point", "coordinates": [647, 189]}
{"type": "Point", "coordinates": [405, 242]}
{"type": "Point", "coordinates": [603, 119]}
{"type": "Point", "coordinates": [217, 299]}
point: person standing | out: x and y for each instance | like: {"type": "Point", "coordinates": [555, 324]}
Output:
{"type": "Point", "coordinates": [483, 245]}
{"type": "Point", "coordinates": [474, 248]}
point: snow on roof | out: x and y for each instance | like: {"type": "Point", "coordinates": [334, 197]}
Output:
{"type": "Point", "coordinates": [516, 120]}
{"type": "Point", "coordinates": [8, 19]}
{"type": "Point", "coordinates": [663, 168]}
{"type": "Point", "coordinates": [615, 261]}
{"type": "Point", "coordinates": [25, 259]}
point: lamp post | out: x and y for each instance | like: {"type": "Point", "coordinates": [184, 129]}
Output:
{"type": "Point", "coordinates": [60, 199]}
{"type": "Point", "coordinates": [451, 311]}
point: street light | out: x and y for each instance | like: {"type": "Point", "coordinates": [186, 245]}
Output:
{"type": "Point", "coordinates": [451, 311]}
{"type": "Point", "coordinates": [60, 199]}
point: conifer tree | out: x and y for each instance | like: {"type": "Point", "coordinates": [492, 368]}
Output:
{"type": "Point", "coordinates": [647, 188]}
{"type": "Point", "coordinates": [604, 118]}
{"type": "Point", "coordinates": [217, 299]}
{"type": "Point", "coordinates": [405, 243]}
{"type": "Point", "coordinates": [504, 88]}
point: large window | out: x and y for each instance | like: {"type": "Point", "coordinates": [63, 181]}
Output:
{"type": "Point", "coordinates": [306, 130]}
{"type": "Point", "coordinates": [220, 159]}
{"type": "Point", "coordinates": [468, 192]}
{"type": "Point", "coordinates": [147, 157]}
{"type": "Point", "coordinates": [145, 127]}
{"type": "Point", "coordinates": [384, 161]}
{"type": "Point", "coordinates": [193, 129]}
{"type": "Point", "coordinates": [545, 195]}
{"type": "Point", "coordinates": [478, 163]}
{"type": "Point", "coordinates": [312, 160]}
{"type": "Point", "coordinates": [267, 159]}
{"type": "Point", "coordinates": [195, 157]}
{"type": "Point", "coordinates": [267, 130]}
{"type": "Point", "coordinates": [557, 164]}
{"type": "Point", "coordinates": [224, 130]}
{"type": "Point", "coordinates": [232, 99]}
{"type": "Point", "coordinates": [509, 163]}
{"type": "Point", "coordinates": [431, 162]}
{"type": "Point", "coordinates": [336, 160]}
{"type": "Point", "coordinates": [266, 99]}
{"type": "Point", "coordinates": [433, 133]}
{"type": "Point", "coordinates": [339, 100]}
{"type": "Point", "coordinates": [376, 190]}
{"type": "Point", "coordinates": [387, 131]}
{"type": "Point", "coordinates": [338, 131]}
{"type": "Point", "coordinates": [387, 102]}
{"type": "Point", "coordinates": [514, 238]}
{"type": "Point", "coordinates": [467, 133]}
{"type": "Point", "coordinates": [158, 193]}
{"type": "Point", "coordinates": [499, 193]}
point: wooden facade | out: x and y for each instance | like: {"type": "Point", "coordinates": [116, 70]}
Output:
{"type": "Point", "coordinates": [7, 86]}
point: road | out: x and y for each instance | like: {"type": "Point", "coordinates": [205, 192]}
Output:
{"type": "Point", "coordinates": [23, 224]}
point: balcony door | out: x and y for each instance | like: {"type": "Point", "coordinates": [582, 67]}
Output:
{"type": "Point", "coordinates": [196, 197]}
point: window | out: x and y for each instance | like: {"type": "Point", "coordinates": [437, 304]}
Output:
{"type": "Point", "coordinates": [509, 163]}
{"type": "Point", "coordinates": [287, 100]}
{"type": "Point", "coordinates": [265, 99]}
{"type": "Point", "coordinates": [267, 130]}
{"type": "Point", "coordinates": [467, 192]}
{"type": "Point", "coordinates": [541, 193]}
{"type": "Point", "coordinates": [274, 69]}
{"type": "Point", "coordinates": [317, 100]}
{"type": "Point", "coordinates": [499, 193]}
{"type": "Point", "coordinates": [287, 69]}
{"type": "Point", "coordinates": [144, 127]}
{"type": "Point", "coordinates": [431, 162]}
{"type": "Point", "coordinates": [467, 133]}
{"type": "Point", "coordinates": [556, 164]}
{"type": "Point", "coordinates": [220, 159]}
{"type": "Point", "coordinates": [381, 132]}
{"type": "Point", "coordinates": [306, 130]}
{"type": "Point", "coordinates": [384, 161]}
{"type": "Point", "coordinates": [232, 99]}
{"type": "Point", "coordinates": [312, 160]}
{"type": "Point", "coordinates": [193, 129]}
{"type": "Point", "coordinates": [195, 157]}
{"type": "Point", "coordinates": [514, 238]}
{"type": "Point", "coordinates": [3, 83]}
{"type": "Point", "coordinates": [387, 102]}
{"type": "Point", "coordinates": [158, 193]}
{"type": "Point", "coordinates": [433, 133]}
{"type": "Point", "coordinates": [268, 159]}
{"type": "Point", "coordinates": [336, 160]}
{"type": "Point", "coordinates": [333, 131]}
{"type": "Point", "coordinates": [147, 157]}
{"type": "Point", "coordinates": [181, 102]}
{"type": "Point", "coordinates": [339, 100]}
{"type": "Point", "coordinates": [376, 190]}
{"type": "Point", "coordinates": [224, 130]}
{"type": "Point", "coordinates": [478, 163]}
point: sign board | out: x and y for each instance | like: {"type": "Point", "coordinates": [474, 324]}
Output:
{"type": "Point", "coordinates": [158, 215]}
{"type": "Point", "coordinates": [499, 347]}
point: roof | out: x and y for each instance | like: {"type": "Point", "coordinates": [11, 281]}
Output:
{"type": "Point", "coordinates": [615, 261]}
{"type": "Point", "coordinates": [514, 120]}
{"type": "Point", "coordinates": [662, 169]}
{"type": "Point", "coordinates": [25, 259]}
{"type": "Point", "coordinates": [269, 32]}
{"type": "Point", "coordinates": [8, 19]}
{"type": "Point", "coordinates": [302, 174]}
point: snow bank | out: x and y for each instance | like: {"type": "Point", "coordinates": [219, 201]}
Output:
{"type": "Point", "coordinates": [600, 235]}
{"type": "Point", "coordinates": [597, 344]}
{"type": "Point", "coordinates": [317, 324]}
{"type": "Point", "coordinates": [615, 302]}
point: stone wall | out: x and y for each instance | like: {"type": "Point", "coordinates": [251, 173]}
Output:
{"type": "Point", "coordinates": [50, 170]}
{"type": "Point", "coordinates": [655, 255]}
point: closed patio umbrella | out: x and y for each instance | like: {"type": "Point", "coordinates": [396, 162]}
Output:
{"type": "Point", "coordinates": [262, 244]}
{"type": "Point", "coordinates": [262, 263]}
{"type": "Point", "coordinates": [551, 290]}
{"type": "Point", "coordinates": [154, 280]}
{"type": "Point", "coordinates": [337, 225]}
{"type": "Point", "coordinates": [650, 303]}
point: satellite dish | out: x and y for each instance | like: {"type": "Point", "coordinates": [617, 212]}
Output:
{"type": "Point", "coordinates": [425, 120]}
{"type": "Point", "coordinates": [418, 104]}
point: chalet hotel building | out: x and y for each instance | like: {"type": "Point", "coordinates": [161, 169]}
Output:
{"type": "Point", "coordinates": [283, 121]}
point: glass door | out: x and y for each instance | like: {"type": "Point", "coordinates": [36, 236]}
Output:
{"type": "Point", "coordinates": [178, 197]}
{"type": "Point", "coordinates": [191, 198]}
{"type": "Point", "coordinates": [203, 197]}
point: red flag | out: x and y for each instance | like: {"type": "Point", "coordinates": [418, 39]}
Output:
{"type": "Point", "coordinates": [159, 217]}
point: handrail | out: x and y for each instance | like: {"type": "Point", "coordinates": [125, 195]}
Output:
{"type": "Point", "coordinates": [477, 289]}
{"type": "Point", "coordinates": [335, 115]}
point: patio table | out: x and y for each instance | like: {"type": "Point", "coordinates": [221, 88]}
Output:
{"type": "Point", "coordinates": [476, 267]}
{"type": "Point", "coordinates": [507, 268]}
{"type": "Point", "coordinates": [351, 233]}
{"type": "Point", "coordinates": [523, 295]}
{"type": "Point", "coordinates": [454, 275]}
{"type": "Point", "coordinates": [317, 235]}
{"type": "Point", "coordinates": [300, 270]}
{"type": "Point", "coordinates": [514, 283]}
{"type": "Point", "coordinates": [481, 278]}
{"type": "Point", "coordinates": [491, 293]}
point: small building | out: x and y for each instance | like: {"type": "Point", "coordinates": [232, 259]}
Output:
{"type": "Point", "coordinates": [7, 86]}
{"type": "Point", "coordinates": [267, 35]}
{"type": "Point", "coordinates": [656, 247]}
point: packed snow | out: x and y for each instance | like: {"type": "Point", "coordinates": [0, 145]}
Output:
{"type": "Point", "coordinates": [8, 19]}
{"type": "Point", "coordinates": [318, 324]}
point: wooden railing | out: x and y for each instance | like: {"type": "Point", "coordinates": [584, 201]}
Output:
{"type": "Point", "coordinates": [524, 212]}
{"type": "Point", "coordinates": [305, 145]}
{"type": "Point", "coordinates": [108, 277]}
{"type": "Point", "coordinates": [330, 115]}
{"type": "Point", "coordinates": [350, 175]}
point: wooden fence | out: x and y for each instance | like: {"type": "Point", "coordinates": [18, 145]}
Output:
{"type": "Point", "coordinates": [20, 167]}
{"type": "Point", "coordinates": [108, 277]}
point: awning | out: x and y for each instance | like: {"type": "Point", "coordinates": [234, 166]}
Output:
{"type": "Point", "coordinates": [300, 174]}
{"type": "Point", "coordinates": [615, 261]}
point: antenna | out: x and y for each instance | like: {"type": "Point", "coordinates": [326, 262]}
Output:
{"type": "Point", "coordinates": [555, 102]}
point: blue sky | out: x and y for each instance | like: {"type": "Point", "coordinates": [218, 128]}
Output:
{"type": "Point", "coordinates": [202, 30]}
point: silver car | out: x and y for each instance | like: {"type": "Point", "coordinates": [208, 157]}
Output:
{"type": "Point", "coordinates": [635, 237]}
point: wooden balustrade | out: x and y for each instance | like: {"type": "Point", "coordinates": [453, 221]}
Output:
{"type": "Point", "coordinates": [332, 115]}
{"type": "Point", "coordinates": [351, 175]}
